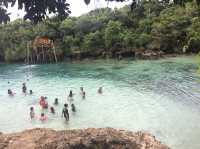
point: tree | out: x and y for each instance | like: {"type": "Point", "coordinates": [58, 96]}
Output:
{"type": "Point", "coordinates": [170, 29]}
{"type": "Point", "coordinates": [93, 41]}
{"type": "Point", "coordinates": [193, 43]}
{"type": "Point", "coordinates": [151, 25]}
{"type": "Point", "coordinates": [36, 10]}
{"type": "Point", "coordinates": [113, 33]}
{"type": "Point", "coordinates": [129, 39]}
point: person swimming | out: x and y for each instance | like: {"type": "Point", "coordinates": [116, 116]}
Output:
{"type": "Point", "coordinates": [70, 97]}
{"type": "Point", "coordinates": [56, 101]}
{"type": "Point", "coordinates": [30, 92]}
{"type": "Point", "coordinates": [10, 92]}
{"type": "Point", "coordinates": [65, 112]}
{"type": "Point", "coordinates": [70, 94]}
{"type": "Point", "coordinates": [83, 95]}
{"type": "Point", "coordinates": [32, 113]}
{"type": "Point", "coordinates": [24, 88]}
{"type": "Point", "coordinates": [100, 90]}
{"type": "Point", "coordinates": [43, 102]}
{"type": "Point", "coordinates": [81, 88]}
{"type": "Point", "coordinates": [73, 108]}
{"type": "Point", "coordinates": [43, 117]}
{"type": "Point", "coordinates": [52, 110]}
{"type": "Point", "coordinates": [82, 92]}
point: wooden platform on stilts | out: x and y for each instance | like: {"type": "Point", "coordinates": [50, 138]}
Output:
{"type": "Point", "coordinates": [41, 51]}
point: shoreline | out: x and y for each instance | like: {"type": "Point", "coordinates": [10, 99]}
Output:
{"type": "Point", "coordinates": [68, 60]}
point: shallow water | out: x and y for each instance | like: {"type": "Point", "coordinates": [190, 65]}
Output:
{"type": "Point", "coordinates": [161, 97]}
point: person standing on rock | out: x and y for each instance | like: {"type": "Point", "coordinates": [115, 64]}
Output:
{"type": "Point", "coordinates": [65, 112]}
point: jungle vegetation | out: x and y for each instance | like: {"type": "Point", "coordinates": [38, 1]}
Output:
{"type": "Point", "coordinates": [154, 25]}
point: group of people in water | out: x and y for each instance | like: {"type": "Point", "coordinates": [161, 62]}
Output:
{"type": "Point", "coordinates": [44, 103]}
{"type": "Point", "coordinates": [24, 90]}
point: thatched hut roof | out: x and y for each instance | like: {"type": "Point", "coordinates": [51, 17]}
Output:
{"type": "Point", "coordinates": [42, 41]}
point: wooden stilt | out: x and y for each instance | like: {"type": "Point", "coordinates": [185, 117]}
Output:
{"type": "Point", "coordinates": [43, 54]}
{"type": "Point", "coordinates": [27, 54]}
{"type": "Point", "coordinates": [54, 51]}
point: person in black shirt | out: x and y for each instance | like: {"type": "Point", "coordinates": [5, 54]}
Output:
{"type": "Point", "coordinates": [73, 108]}
{"type": "Point", "coordinates": [65, 112]}
{"type": "Point", "coordinates": [70, 94]}
{"type": "Point", "coordinates": [100, 90]}
{"type": "Point", "coordinates": [56, 101]}
{"type": "Point", "coordinates": [30, 92]}
{"type": "Point", "coordinates": [24, 88]}
{"type": "Point", "coordinates": [52, 110]}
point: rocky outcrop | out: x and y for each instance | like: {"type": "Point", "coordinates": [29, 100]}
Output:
{"type": "Point", "coordinates": [102, 138]}
{"type": "Point", "coordinates": [148, 54]}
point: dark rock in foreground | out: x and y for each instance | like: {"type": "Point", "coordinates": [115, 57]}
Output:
{"type": "Point", "coordinates": [102, 138]}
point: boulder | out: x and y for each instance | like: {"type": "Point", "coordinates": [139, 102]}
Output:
{"type": "Point", "coordinates": [101, 138]}
{"type": "Point", "coordinates": [148, 54]}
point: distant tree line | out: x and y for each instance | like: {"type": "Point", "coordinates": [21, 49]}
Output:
{"type": "Point", "coordinates": [155, 25]}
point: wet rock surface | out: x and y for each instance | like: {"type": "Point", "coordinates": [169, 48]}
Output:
{"type": "Point", "coordinates": [101, 138]}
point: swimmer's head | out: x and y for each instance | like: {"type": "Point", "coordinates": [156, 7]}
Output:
{"type": "Point", "coordinates": [31, 108]}
{"type": "Point", "coordinates": [52, 109]}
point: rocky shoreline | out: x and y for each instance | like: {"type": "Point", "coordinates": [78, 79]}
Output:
{"type": "Point", "coordinates": [91, 138]}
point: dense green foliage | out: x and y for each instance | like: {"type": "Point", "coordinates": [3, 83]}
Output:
{"type": "Point", "coordinates": [35, 10]}
{"type": "Point", "coordinates": [151, 25]}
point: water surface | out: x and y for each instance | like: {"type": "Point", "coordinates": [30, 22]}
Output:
{"type": "Point", "coordinates": [161, 97]}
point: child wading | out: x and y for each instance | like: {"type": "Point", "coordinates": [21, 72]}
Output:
{"type": "Point", "coordinates": [52, 110]}
{"type": "Point", "coordinates": [82, 93]}
{"type": "Point", "coordinates": [73, 108]}
{"type": "Point", "coordinates": [56, 101]}
{"type": "Point", "coordinates": [100, 90]}
{"type": "Point", "coordinates": [32, 113]}
{"type": "Point", "coordinates": [43, 117]}
{"type": "Point", "coordinates": [10, 93]}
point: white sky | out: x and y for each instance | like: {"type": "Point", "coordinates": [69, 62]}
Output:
{"type": "Point", "coordinates": [77, 7]}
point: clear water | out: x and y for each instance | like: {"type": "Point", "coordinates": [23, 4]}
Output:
{"type": "Point", "coordinates": [161, 97]}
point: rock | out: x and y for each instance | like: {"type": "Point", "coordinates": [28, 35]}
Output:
{"type": "Point", "coordinates": [148, 54]}
{"type": "Point", "coordinates": [101, 138]}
